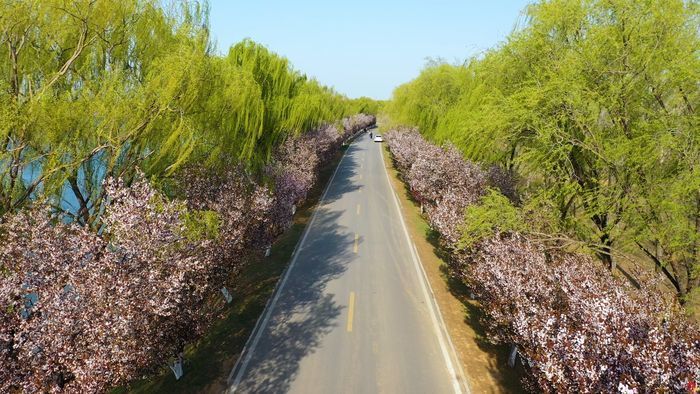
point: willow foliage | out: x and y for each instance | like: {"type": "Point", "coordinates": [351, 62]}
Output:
{"type": "Point", "coordinates": [595, 104]}
{"type": "Point", "coordinates": [96, 89]}
{"type": "Point", "coordinates": [424, 101]}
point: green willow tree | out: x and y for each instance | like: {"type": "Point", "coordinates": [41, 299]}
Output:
{"type": "Point", "coordinates": [93, 89]}
{"type": "Point", "coordinates": [593, 103]}
{"type": "Point", "coordinates": [91, 94]}
{"type": "Point", "coordinates": [426, 100]}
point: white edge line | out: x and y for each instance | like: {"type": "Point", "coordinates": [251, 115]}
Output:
{"type": "Point", "coordinates": [435, 314]}
{"type": "Point", "coordinates": [263, 320]}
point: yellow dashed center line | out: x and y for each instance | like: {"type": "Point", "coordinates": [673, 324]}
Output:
{"type": "Point", "coordinates": [354, 249]}
{"type": "Point", "coordinates": [358, 209]}
{"type": "Point", "coordinates": [351, 310]}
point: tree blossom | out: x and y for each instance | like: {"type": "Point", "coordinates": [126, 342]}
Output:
{"type": "Point", "coordinates": [83, 312]}
{"type": "Point", "coordinates": [578, 328]}
{"type": "Point", "coordinates": [107, 307]}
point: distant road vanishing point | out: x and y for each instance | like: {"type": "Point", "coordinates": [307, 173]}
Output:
{"type": "Point", "coordinates": [354, 312]}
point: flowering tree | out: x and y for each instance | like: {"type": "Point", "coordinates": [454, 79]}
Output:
{"type": "Point", "coordinates": [440, 179]}
{"type": "Point", "coordinates": [42, 343]}
{"type": "Point", "coordinates": [294, 174]}
{"type": "Point", "coordinates": [465, 184]}
{"type": "Point", "coordinates": [85, 311]}
{"type": "Point", "coordinates": [578, 328]}
{"type": "Point", "coordinates": [504, 181]}
{"type": "Point", "coordinates": [91, 311]}
{"type": "Point", "coordinates": [359, 121]}
{"type": "Point", "coordinates": [296, 164]}
{"type": "Point", "coordinates": [405, 146]}
{"type": "Point", "coordinates": [239, 205]}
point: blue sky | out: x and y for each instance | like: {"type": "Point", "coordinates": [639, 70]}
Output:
{"type": "Point", "coordinates": [362, 47]}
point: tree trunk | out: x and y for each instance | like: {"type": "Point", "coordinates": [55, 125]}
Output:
{"type": "Point", "coordinates": [660, 266]}
{"type": "Point", "coordinates": [15, 164]}
{"type": "Point", "coordinates": [680, 275]}
{"type": "Point", "coordinates": [606, 251]}
{"type": "Point", "coordinates": [83, 213]}
{"type": "Point", "coordinates": [14, 72]}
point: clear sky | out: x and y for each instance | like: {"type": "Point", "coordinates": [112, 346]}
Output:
{"type": "Point", "coordinates": [363, 47]}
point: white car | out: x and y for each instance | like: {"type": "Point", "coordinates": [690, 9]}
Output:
{"type": "Point", "coordinates": [378, 138]}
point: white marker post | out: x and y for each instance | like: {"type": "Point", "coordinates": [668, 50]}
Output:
{"type": "Point", "coordinates": [513, 355]}
{"type": "Point", "coordinates": [177, 367]}
{"type": "Point", "coordinates": [227, 295]}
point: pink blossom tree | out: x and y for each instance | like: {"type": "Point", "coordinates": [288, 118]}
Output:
{"type": "Point", "coordinates": [93, 311]}
{"type": "Point", "coordinates": [84, 311]}
{"type": "Point", "coordinates": [577, 328]}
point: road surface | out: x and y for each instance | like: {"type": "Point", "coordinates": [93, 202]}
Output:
{"type": "Point", "coordinates": [353, 313]}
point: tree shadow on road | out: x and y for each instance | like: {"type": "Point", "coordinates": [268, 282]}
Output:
{"type": "Point", "coordinates": [304, 313]}
{"type": "Point", "coordinates": [345, 178]}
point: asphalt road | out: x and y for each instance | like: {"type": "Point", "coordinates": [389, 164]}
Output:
{"type": "Point", "coordinates": [353, 313]}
